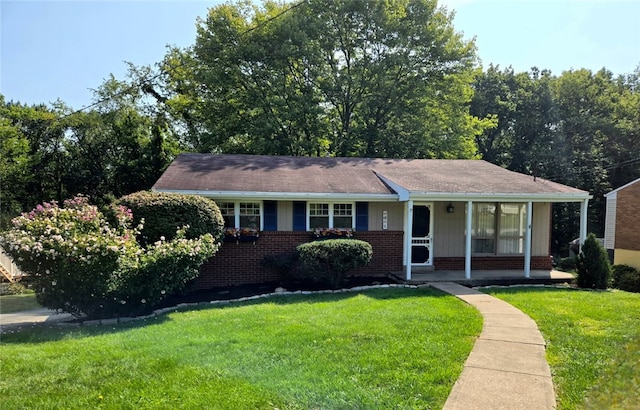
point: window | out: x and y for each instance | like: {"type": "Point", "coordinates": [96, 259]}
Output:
{"type": "Point", "coordinates": [228, 214]}
{"type": "Point", "coordinates": [483, 228]}
{"type": "Point", "coordinates": [331, 215]}
{"type": "Point", "coordinates": [318, 216]}
{"type": "Point", "coordinates": [241, 214]}
{"type": "Point", "coordinates": [498, 228]}
{"type": "Point", "coordinates": [342, 216]}
{"type": "Point", "coordinates": [512, 227]}
{"type": "Point", "coordinates": [249, 215]}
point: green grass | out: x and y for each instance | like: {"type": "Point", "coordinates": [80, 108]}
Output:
{"type": "Point", "coordinates": [593, 343]}
{"type": "Point", "coordinates": [380, 349]}
{"type": "Point", "coordinates": [16, 303]}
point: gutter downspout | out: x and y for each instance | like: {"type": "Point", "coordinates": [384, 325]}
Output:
{"type": "Point", "coordinates": [583, 222]}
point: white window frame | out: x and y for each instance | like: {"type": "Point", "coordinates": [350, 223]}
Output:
{"type": "Point", "coordinates": [236, 212]}
{"type": "Point", "coordinates": [496, 229]}
{"type": "Point", "coordinates": [331, 211]}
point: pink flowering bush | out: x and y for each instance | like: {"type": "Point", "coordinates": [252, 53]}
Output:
{"type": "Point", "coordinates": [81, 264]}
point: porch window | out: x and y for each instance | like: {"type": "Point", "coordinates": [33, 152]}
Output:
{"type": "Point", "coordinates": [330, 215]}
{"type": "Point", "coordinates": [512, 224]}
{"type": "Point", "coordinates": [240, 214]}
{"type": "Point", "coordinates": [498, 228]}
{"type": "Point", "coordinates": [483, 228]}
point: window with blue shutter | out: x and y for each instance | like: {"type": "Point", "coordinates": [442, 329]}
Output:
{"type": "Point", "coordinates": [270, 215]}
{"type": "Point", "coordinates": [362, 216]}
{"type": "Point", "coordinates": [300, 216]}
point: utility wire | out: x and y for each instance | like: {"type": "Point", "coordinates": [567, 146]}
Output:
{"type": "Point", "coordinates": [147, 81]}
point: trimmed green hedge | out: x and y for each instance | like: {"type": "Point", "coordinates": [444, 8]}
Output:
{"type": "Point", "coordinates": [333, 257]}
{"type": "Point", "coordinates": [627, 278]}
{"type": "Point", "coordinates": [165, 213]}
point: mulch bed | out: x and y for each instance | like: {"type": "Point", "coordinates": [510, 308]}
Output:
{"type": "Point", "coordinates": [241, 291]}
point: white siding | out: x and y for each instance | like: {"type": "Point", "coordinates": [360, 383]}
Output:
{"type": "Point", "coordinates": [395, 215]}
{"type": "Point", "coordinates": [610, 222]}
{"type": "Point", "coordinates": [285, 216]}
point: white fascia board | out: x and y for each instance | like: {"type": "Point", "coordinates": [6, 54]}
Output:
{"type": "Point", "coordinates": [615, 191]}
{"type": "Point", "coordinates": [403, 193]}
{"type": "Point", "coordinates": [497, 197]}
{"type": "Point", "coordinates": [288, 196]}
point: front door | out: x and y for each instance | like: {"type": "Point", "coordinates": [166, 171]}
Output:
{"type": "Point", "coordinates": [421, 239]}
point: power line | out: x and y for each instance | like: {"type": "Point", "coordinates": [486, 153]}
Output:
{"type": "Point", "coordinates": [147, 81]}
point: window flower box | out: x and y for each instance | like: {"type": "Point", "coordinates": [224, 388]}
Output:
{"type": "Point", "coordinates": [241, 234]}
{"type": "Point", "coordinates": [332, 233]}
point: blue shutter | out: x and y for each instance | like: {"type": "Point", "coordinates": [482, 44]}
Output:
{"type": "Point", "coordinates": [362, 216]}
{"type": "Point", "coordinates": [299, 216]}
{"type": "Point", "coordinates": [270, 215]}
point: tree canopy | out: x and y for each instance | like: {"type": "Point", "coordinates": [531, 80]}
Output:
{"type": "Point", "coordinates": [328, 77]}
{"type": "Point", "coordinates": [372, 78]}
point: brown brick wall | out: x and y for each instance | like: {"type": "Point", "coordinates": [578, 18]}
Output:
{"type": "Point", "coordinates": [628, 218]}
{"type": "Point", "coordinates": [493, 263]}
{"type": "Point", "coordinates": [239, 263]}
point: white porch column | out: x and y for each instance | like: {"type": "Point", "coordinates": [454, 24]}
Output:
{"type": "Point", "coordinates": [407, 237]}
{"type": "Point", "coordinates": [467, 248]}
{"type": "Point", "coordinates": [583, 222]}
{"type": "Point", "coordinates": [527, 242]}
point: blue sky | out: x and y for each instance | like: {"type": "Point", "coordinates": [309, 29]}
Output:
{"type": "Point", "coordinates": [62, 49]}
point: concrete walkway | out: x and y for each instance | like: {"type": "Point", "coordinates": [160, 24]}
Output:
{"type": "Point", "coordinates": [20, 320]}
{"type": "Point", "coordinates": [507, 368]}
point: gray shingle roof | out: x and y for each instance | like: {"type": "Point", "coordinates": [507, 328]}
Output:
{"type": "Point", "coordinates": [256, 173]}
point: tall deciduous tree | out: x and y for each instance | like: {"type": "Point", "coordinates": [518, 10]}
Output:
{"type": "Point", "coordinates": [580, 128]}
{"type": "Point", "coordinates": [327, 77]}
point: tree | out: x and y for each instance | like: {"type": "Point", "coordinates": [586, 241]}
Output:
{"type": "Point", "coordinates": [594, 269]}
{"type": "Point", "coordinates": [325, 77]}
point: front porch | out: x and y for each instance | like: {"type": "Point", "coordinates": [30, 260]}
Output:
{"type": "Point", "coordinates": [486, 277]}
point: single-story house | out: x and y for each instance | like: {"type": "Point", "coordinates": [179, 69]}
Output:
{"type": "Point", "coordinates": [622, 224]}
{"type": "Point", "coordinates": [419, 214]}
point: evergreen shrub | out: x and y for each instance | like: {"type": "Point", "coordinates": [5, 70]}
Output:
{"type": "Point", "coordinates": [592, 265]}
{"type": "Point", "coordinates": [626, 277]}
{"type": "Point", "coordinates": [332, 258]}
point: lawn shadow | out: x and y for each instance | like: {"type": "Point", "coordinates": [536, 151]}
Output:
{"type": "Point", "coordinates": [50, 332]}
{"type": "Point", "coordinates": [46, 332]}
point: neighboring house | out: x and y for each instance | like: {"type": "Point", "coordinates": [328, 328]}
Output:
{"type": "Point", "coordinates": [622, 224]}
{"type": "Point", "coordinates": [458, 214]}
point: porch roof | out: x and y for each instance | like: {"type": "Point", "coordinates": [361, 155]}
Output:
{"type": "Point", "coordinates": [357, 178]}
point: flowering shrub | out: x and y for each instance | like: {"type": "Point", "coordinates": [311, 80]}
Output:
{"type": "Point", "coordinates": [165, 213]}
{"type": "Point", "coordinates": [81, 264]}
{"type": "Point", "coordinates": [332, 233]}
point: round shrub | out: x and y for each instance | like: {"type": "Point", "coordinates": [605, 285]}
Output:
{"type": "Point", "coordinates": [626, 277]}
{"type": "Point", "coordinates": [81, 264]}
{"type": "Point", "coordinates": [592, 264]}
{"type": "Point", "coordinates": [165, 213]}
{"type": "Point", "coordinates": [333, 257]}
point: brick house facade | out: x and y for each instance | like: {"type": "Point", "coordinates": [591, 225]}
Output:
{"type": "Point", "coordinates": [437, 214]}
{"type": "Point", "coordinates": [622, 224]}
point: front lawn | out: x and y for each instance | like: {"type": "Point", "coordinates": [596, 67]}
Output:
{"type": "Point", "coordinates": [593, 342]}
{"type": "Point", "coordinates": [17, 303]}
{"type": "Point", "coordinates": [386, 348]}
